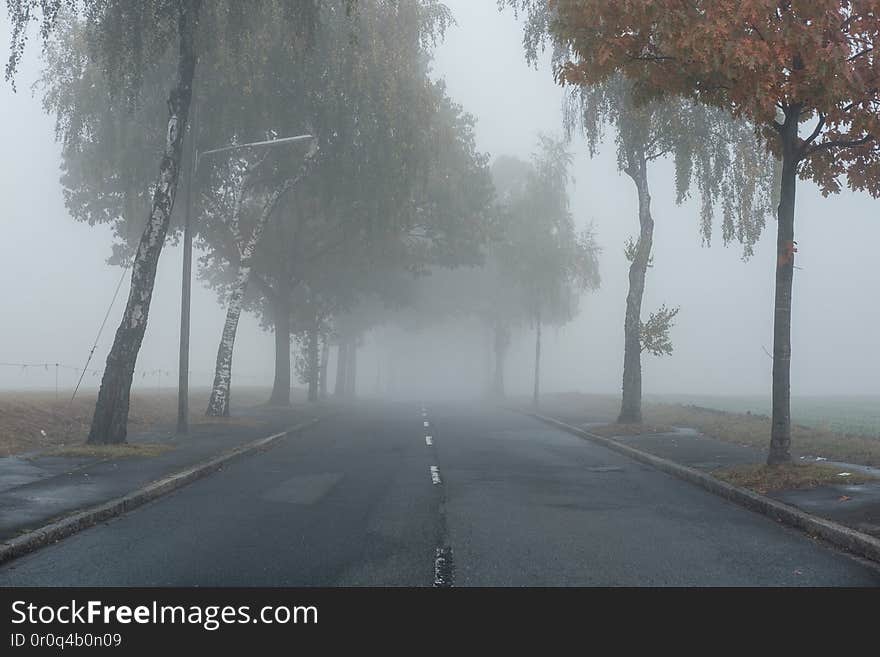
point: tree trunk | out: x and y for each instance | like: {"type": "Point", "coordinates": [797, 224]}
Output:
{"type": "Point", "coordinates": [314, 364]}
{"type": "Point", "coordinates": [351, 370]}
{"type": "Point", "coordinates": [110, 421]}
{"type": "Point", "coordinates": [341, 368]}
{"type": "Point", "coordinates": [218, 404]}
{"type": "Point", "coordinates": [281, 384]}
{"type": "Point", "coordinates": [780, 433]}
{"type": "Point", "coordinates": [631, 404]}
{"type": "Point", "coordinates": [535, 394]}
{"type": "Point", "coordinates": [502, 340]}
{"type": "Point", "coordinates": [325, 359]}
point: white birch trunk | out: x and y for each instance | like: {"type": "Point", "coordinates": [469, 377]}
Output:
{"type": "Point", "coordinates": [218, 405]}
{"type": "Point", "coordinates": [110, 420]}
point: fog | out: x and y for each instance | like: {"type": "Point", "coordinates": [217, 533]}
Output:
{"type": "Point", "coordinates": [57, 285]}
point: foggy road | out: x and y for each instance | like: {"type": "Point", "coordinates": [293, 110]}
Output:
{"type": "Point", "coordinates": [368, 496]}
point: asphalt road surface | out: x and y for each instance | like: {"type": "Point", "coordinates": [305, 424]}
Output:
{"type": "Point", "coordinates": [382, 495]}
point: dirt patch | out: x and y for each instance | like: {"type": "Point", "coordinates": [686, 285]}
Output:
{"type": "Point", "coordinates": [764, 478]}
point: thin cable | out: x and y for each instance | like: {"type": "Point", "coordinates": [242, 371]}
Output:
{"type": "Point", "coordinates": [100, 330]}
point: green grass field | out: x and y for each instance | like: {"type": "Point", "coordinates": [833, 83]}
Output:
{"type": "Point", "coordinates": [850, 415]}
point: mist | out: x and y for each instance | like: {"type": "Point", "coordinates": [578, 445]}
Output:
{"type": "Point", "coordinates": [313, 294]}
{"type": "Point", "coordinates": [62, 285]}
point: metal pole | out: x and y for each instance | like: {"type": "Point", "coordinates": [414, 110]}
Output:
{"type": "Point", "coordinates": [185, 295]}
{"type": "Point", "coordinates": [267, 142]}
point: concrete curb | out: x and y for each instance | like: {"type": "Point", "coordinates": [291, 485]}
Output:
{"type": "Point", "coordinates": [79, 520]}
{"type": "Point", "coordinates": [835, 533]}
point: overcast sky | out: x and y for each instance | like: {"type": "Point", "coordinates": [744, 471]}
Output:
{"type": "Point", "coordinates": [57, 286]}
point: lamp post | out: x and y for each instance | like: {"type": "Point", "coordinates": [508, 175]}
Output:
{"type": "Point", "coordinates": [185, 296]}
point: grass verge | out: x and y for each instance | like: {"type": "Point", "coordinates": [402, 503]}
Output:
{"type": "Point", "coordinates": [126, 450]}
{"type": "Point", "coordinates": [764, 478]}
{"type": "Point", "coordinates": [37, 420]}
{"type": "Point", "coordinates": [614, 430]}
{"type": "Point", "coordinates": [740, 428]}
{"type": "Point", "coordinates": [754, 431]}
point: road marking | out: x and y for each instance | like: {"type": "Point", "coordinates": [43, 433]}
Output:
{"type": "Point", "coordinates": [435, 474]}
{"type": "Point", "coordinates": [429, 441]}
{"type": "Point", "coordinates": [426, 423]}
{"type": "Point", "coordinates": [444, 567]}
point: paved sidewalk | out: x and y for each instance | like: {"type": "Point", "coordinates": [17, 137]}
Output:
{"type": "Point", "coordinates": [855, 506]}
{"type": "Point", "coordinates": [37, 489]}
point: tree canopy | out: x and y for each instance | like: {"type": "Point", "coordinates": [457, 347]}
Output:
{"type": "Point", "coordinates": [779, 65]}
{"type": "Point", "coordinates": [755, 58]}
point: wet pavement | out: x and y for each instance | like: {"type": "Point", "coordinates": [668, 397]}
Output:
{"type": "Point", "coordinates": [855, 506]}
{"type": "Point", "coordinates": [36, 489]}
{"type": "Point", "coordinates": [496, 499]}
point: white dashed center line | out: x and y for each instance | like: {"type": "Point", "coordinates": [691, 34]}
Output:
{"type": "Point", "coordinates": [426, 423]}
{"type": "Point", "coordinates": [429, 441]}
{"type": "Point", "coordinates": [435, 474]}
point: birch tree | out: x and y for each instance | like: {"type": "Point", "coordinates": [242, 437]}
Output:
{"type": "Point", "coordinates": [366, 94]}
{"type": "Point", "coordinates": [127, 41]}
{"type": "Point", "coordinates": [714, 154]}
{"type": "Point", "coordinates": [218, 404]}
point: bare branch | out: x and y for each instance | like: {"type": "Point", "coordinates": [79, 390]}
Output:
{"type": "Point", "coordinates": [839, 143]}
{"type": "Point", "coordinates": [861, 53]}
{"type": "Point", "coordinates": [816, 132]}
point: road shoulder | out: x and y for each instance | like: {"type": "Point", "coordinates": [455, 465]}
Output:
{"type": "Point", "coordinates": [787, 511]}
{"type": "Point", "coordinates": [47, 498]}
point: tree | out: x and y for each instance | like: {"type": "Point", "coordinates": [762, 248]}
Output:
{"type": "Point", "coordinates": [345, 68]}
{"type": "Point", "coordinates": [780, 65]}
{"type": "Point", "coordinates": [366, 94]}
{"type": "Point", "coordinates": [311, 329]}
{"type": "Point", "coordinates": [155, 23]}
{"type": "Point", "coordinates": [654, 333]}
{"type": "Point", "coordinates": [711, 151]}
{"type": "Point", "coordinates": [533, 265]}
{"type": "Point", "coordinates": [541, 252]}
{"type": "Point", "coordinates": [107, 141]}
{"type": "Point", "coordinates": [498, 302]}
{"type": "Point", "coordinates": [218, 404]}
{"type": "Point", "coordinates": [127, 41]}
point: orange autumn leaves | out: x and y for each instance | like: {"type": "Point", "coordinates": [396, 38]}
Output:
{"type": "Point", "coordinates": [753, 57]}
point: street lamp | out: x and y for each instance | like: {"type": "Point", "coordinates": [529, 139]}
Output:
{"type": "Point", "coordinates": [185, 296]}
